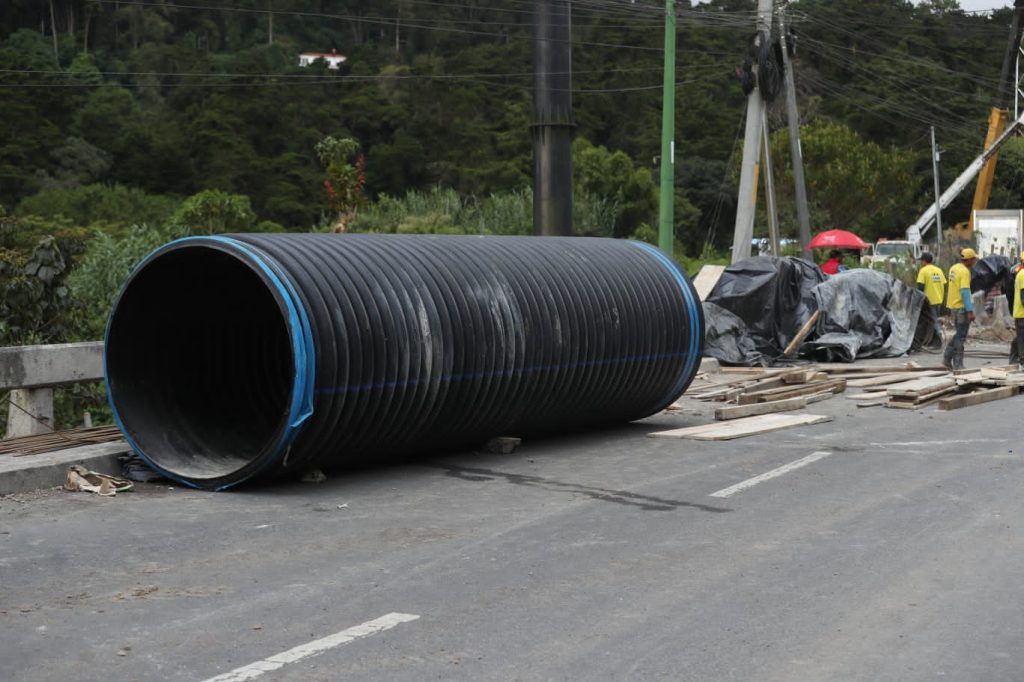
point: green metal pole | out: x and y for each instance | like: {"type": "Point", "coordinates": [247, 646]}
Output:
{"type": "Point", "coordinates": [668, 132]}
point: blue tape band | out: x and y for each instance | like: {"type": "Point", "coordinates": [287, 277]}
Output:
{"type": "Point", "coordinates": [303, 351]}
{"type": "Point", "coordinates": [692, 306]}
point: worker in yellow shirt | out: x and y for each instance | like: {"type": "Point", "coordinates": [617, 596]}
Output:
{"type": "Point", "coordinates": [932, 282]}
{"type": "Point", "coordinates": [1017, 348]}
{"type": "Point", "coordinates": [958, 300]}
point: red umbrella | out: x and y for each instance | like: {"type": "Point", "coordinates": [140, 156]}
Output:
{"type": "Point", "coordinates": [836, 239]}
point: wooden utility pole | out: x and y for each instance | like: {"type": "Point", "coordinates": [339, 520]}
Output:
{"type": "Point", "coordinates": [746, 201]}
{"type": "Point", "coordinates": [769, 186]}
{"type": "Point", "coordinates": [795, 150]}
{"type": "Point", "coordinates": [552, 119]}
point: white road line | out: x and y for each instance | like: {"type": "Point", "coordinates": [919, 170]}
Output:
{"type": "Point", "coordinates": [941, 442]}
{"type": "Point", "coordinates": [314, 648]}
{"type": "Point", "coordinates": [785, 469]}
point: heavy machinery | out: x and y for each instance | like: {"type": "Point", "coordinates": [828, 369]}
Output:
{"type": "Point", "coordinates": [984, 166]}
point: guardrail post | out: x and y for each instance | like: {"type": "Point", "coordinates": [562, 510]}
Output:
{"type": "Point", "coordinates": [30, 412]}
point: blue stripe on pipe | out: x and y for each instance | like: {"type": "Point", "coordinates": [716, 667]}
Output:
{"type": "Point", "coordinates": [692, 304]}
{"type": "Point", "coordinates": [303, 350]}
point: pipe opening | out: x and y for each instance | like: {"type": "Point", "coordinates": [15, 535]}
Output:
{"type": "Point", "coordinates": [200, 366]}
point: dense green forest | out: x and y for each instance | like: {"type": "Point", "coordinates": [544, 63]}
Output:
{"type": "Point", "coordinates": [129, 122]}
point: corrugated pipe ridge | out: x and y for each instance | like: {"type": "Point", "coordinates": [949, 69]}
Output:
{"type": "Point", "coordinates": [248, 356]}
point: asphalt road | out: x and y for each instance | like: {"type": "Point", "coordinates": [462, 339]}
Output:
{"type": "Point", "coordinates": [604, 556]}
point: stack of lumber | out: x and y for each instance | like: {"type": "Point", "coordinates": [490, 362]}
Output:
{"type": "Point", "coordinates": [753, 391]}
{"type": "Point", "coordinates": [919, 392]}
{"type": "Point", "coordinates": [750, 392]}
{"type": "Point", "coordinates": [949, 390]}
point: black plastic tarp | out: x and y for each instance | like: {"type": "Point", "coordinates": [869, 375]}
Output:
{"type": "Point", "coordinates": [727, 338]}
{"type": "Point", "coordinates": [994, 271]}
{"type": "Point", "coordinates": [772, 296]}
{"type": "Point", "coordinates": [866, 313]}
{"type": "Point", "coordinates": [759, 304]}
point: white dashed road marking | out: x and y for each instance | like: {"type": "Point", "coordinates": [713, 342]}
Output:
{"type": "Point", "coordinates": [314, 648]}
{"type": "Point", "coordinates": [785, 469]}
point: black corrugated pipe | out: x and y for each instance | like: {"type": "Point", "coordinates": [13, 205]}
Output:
{"type": "Point", "coordinates": [244, 356]}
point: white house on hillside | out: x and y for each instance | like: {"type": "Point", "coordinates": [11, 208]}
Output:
{"type": "Point", "coordinates": [333, 59]}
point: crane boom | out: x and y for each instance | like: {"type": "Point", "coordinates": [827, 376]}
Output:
{"type": "Point", "coordinates": [927, 219]}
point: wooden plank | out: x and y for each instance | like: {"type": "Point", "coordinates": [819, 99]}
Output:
{"type": "Point", "coordinates": [978, 398]}
{"type": "Point", "coordinates": [802, 334]}
{"type": "Point", "coordinates": [916, 388]}
{"type": "Point", "coordinates": [894, 378]}
{"type": "Point", "coordinates": [919, 400]}
{"type": "Point", "coordinates": [851, 368]}
{"type": "Point", "coordinates": [747, 426]}
{"type": "Point", "coordinates": [804, 376]}
{"type": "Point", "coordinates": [833, 386]}
{"type": "Point", "coordinates": [855, 375]}
{"type": "Point", "coordinates": [706, 279]}
{"type": "Point", "coordinates": [759, 371]}
{"type": "Point", "coordinates": [740, 411]}
{"type": "Point", "coordinates": [915, 404]}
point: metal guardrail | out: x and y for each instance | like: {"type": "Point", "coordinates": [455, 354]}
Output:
{"type": "Point", "coordinates": [30, 373]}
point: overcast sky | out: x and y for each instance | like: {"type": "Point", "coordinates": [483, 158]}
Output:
{"type": "Point", "coordinates": [973, 5]}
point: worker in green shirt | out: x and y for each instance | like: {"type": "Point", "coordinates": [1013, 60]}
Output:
{"type": "Point", "coordinates": [1017, 347]}
{"type": "Point", "coordinates": [958, 300]}
{"type": "Point", "coordinates": [932, 281]}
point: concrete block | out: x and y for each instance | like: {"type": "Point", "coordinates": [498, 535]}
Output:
{"type": "Point", "coordinates": [50, 365]}
{"type": "Point", "coordinates": [48, 469]}
{"type": "Point", "coordinates": [709, 365]}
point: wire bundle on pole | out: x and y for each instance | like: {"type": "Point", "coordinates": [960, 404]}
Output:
{"type": "Point", "coordinates": [234, 357]}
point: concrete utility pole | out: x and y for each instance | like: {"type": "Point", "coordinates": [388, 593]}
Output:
{"type": "Point", "coordinates": [747, 199]}
{"type": "Point", "coordinates": [552, 119]}
{"type": "Point", "coordinates": [666, 213]}
{"type": "Point", "coordinates": [769, 186]}
{"type": "Point", "coordinates": [938, 193]}
{"type": "Point", "coordinates": [796, 152]}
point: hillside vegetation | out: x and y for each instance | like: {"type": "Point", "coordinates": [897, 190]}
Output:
{"type": "Point", "coordinates": [127, 123]}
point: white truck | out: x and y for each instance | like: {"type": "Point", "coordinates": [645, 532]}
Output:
{"type": "Point", "coordinates": [892, 249]}
{"type": "Point", "coordinates": [999, 232]}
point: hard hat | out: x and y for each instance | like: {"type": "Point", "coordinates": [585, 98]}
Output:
{"type": "Point", "coordinates": [967, 254]}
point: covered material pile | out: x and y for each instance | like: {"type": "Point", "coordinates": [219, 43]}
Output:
{"type": "Point", "coordinates": [761, 305]}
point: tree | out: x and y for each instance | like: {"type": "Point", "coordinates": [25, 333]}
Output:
{"type": "Point", "coordinates": [853, 184]}
{"type": "Point", "coordinates": [213, 212]}
{"type": "Point", "coordinates": [613, 176]}
{"type": "Point", "coordinates": [345, 178]}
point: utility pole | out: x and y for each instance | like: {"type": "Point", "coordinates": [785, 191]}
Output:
{"type": "Point", "coordinates": [746, 201]}
{"type": "Point", "coordinates": [666, 215]}
{"type": "Point", "coordinates": [552, 119]}
{"type": "Point", "coordinates": [938, 193]}
{"type": "Point", "coordinates": [796, 152]}
{"type": "Point", "coordinates": [769, 186]}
